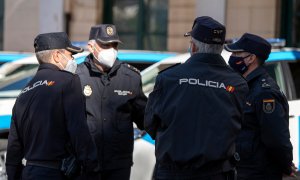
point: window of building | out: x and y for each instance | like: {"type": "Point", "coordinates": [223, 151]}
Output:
{"type": "Point", "coordinates": [290, 22]}
{"type": "Point", "coordinates": [141, 24]}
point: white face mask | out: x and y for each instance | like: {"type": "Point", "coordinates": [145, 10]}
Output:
{"type": "Point", "coordinates": [71, 65]}
{"type": "Point", "coordinates": [107, 57]}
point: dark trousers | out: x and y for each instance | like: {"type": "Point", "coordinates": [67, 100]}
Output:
{"type": "Point", "coordinates": [115, 174]}
{"type": "Point", "coordinates": [41, 173]}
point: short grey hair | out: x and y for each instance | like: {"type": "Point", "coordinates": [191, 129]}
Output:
{"type": "Point", "coordinates": [207, 48]}
{"type": "Point", "coordinates": [44, 56]}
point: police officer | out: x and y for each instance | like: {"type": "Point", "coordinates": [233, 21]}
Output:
{"type": "Point", "coordinates": [48, 114]}
{"type": "Point", "coordinates": [114, 100]}
{"type": "Point", "coordinates": [195, 110]}
{"type": "Point", "coordinates": [264, 142]}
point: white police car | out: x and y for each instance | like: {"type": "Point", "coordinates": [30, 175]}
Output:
{"type": "Point", "coordinates": [15, 75]}
{"type": "Point", "coordinates": [283, 65]}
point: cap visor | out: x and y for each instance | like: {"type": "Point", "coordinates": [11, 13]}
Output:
{"type": "Point", "coordinates": [110, 41]}
{"type": "Point", "coordinates": [74, 49]}
{"type": "Point", "coordinates": [233, 48]}
{"type": "Point", "coordinates": [187, 34]}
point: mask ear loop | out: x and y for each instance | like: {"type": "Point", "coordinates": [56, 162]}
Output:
{"type": "Point", "coordinates": [245, 58]}
{"type": "Point", "coordinates": [95, 49]}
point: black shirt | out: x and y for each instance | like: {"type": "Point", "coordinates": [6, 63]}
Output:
{"type": "Point", "coordinates": [48, 113]}
{"type": "Point", "coordinates": [114, 100]}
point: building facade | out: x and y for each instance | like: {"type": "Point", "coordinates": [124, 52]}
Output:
{"type": "Point", "coordinates": [144, 24]}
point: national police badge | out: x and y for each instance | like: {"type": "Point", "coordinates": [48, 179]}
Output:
{"type": "Point", "coordinates": [87, 90]}
{"type": "Point", "coordinates": [268, 105]}
{"type": "Point", "coordinates": [110, 31]}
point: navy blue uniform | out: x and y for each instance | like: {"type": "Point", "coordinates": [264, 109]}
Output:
{"type": "Point", "coordinates": [114, 100]}
{"type": "Point", "coordinates": [264, 142]}
{"type": "Point", "coordinates": [194, 114]}
{"type": "Point", "coordinates": [49, 113]}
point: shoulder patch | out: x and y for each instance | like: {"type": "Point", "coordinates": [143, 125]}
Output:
{"type": "Point", "coordinates": [265, 84]}
{"type": "Point", "coordinates": [268, 105]}
{"type": "Point", "coordinates": [132, 68]}
{"type": "Point", "coordinates": [169, 67]}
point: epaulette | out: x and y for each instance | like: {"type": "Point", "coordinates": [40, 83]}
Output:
{"type": "Point", "coordinates": [132, 68]}
{"type": "Point", "coordinates": [169, 67]}
{"type": "Point", "coordinates": [265, 84]}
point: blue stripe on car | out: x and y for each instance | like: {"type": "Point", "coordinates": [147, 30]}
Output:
{"type": "Point", "coordinates": [284, 56]}
{"type": "Point", "coordinates": [148, 138]}
{"type": "Point", "coordinates": [12, 57]}
{"type": "Point", "coordinates": [5, 121]}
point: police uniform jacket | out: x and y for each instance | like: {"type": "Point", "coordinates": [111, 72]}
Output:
{"type": "Point", "coordinates": [195, 113]}
{"type": "Point", "coordinates": [114, 100]}
{"type": "Point", "coordinates": [49, 113]}
{"type": "Point", "coordinates": [264, 142]}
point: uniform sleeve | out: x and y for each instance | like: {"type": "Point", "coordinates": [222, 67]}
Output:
{"type": "Point", "coordinates": [152, 120]}
{"type": "Point", "coordinates": [272, 112]}
{"type": "Point", "coordinates": [15, 152]}
{"type": "Point", "coordinates": [241, 98]}
{"type": "Point", "coordinates": [75, 115]}
{"type": "Point", "coordinates": [139, 105]}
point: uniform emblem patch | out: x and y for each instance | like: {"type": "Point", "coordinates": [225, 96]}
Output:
{"type": "Point", "coordinates": [87, 90]}
{"type": "Point", "coordinates": [110, 31]}
{"type": "Point", "coordinates": [268, 105]}
{"type": "Point", "coordinates": [123, 93]}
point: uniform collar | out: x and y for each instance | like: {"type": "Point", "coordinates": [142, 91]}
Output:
{"type": "Point", "coordinates": [255, 73]}
{"type": "Point", "coordinates": [91, 65]}
{"type": "Point", "coordinates": [215, 59]}
{"type": "Point", "coordinates": [48, 66]}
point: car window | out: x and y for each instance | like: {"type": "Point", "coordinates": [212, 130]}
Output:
{"type": "Point", "coordinates": [23, 67]}
{"type": "Point", "coordinates": [148, 78]}
{"type": "Point", "coordinates": [18, 85]}
{"type": "Point", "coordinates": [295, 71]}
{"type": "Point", "coordinates": [11, 86]}
{"type": "Point", "coordinates": [275, 71]}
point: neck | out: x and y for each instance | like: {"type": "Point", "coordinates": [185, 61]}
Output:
{"type": "Point", "coordinates": [251, 68]}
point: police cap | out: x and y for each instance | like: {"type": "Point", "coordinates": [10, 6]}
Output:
{"type": "Point", "coordinates": [207, 30]}
{"type": "Point", "coordinates": [104, 33]}
{"type": "Point", "coordinates": [55, 40]}
{"type": "Point", "coordinates": [253, 44]}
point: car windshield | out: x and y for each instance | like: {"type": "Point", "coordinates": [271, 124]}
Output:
{"type": "Point", "coordinates": [11, 85]}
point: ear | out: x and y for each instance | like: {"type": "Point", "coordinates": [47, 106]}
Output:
{"type": "Point", "coordinates": [194, 47]}
{"type": "Point", "coordinates": [55, 56]}
{"type": "Point", "coordinates": [252, 58]}
{"type": "Point", "coordinates": [90, 47]}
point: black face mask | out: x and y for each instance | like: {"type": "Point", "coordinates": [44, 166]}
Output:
{"type": "Point", "coordinates": [238, 64]}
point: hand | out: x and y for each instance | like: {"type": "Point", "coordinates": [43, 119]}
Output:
{"type": "Point", "coordinates": [294, 170]}
{"type": "Point", "coordinates": [293, 173]}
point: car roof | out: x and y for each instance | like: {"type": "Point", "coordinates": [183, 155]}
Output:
{"type": "Point", "coordinates": [181, 58]}
{"type": "Point", "coordinates": [284, 54]}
